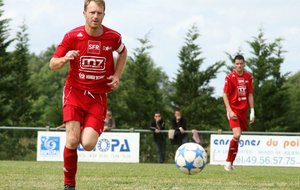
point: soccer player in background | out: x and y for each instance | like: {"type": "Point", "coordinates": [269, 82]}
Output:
{"type": "Point", "coordinates": [92, 74]}
{"type": "Point", "coordinates": [238, 96]}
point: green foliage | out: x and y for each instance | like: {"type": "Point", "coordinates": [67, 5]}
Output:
{"type": "Point", "coordinates": [192, 92]}
{"type": "Point", "coordinates": [141, 92]}
{"type": "Point", "coordinates": [17, 145]}
{"type": "Point", "coordinates": [5, 67]}
{"type": "Point", "coordinates": [293, 86]}
{"type": "Point", "coordinates": [48, 87]}
{"type": "Point", "coordinates": [17, 84]}
{"type": "Point", "coordinates": [4, 31]}
{"type": "Point", "coordinates": [271, 102]}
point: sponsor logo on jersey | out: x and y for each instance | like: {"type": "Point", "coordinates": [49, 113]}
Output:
{"type": "Point", "coordinates": [94, 47]}
{"type": "Point", "coordinates": [242, 92]}
{"type": "Point", "coordinates": [92, 64]}
{"type": "Point", "coordinates": [81, 75]}
{"type": "Point", "coordinates": [79, 35]}
{"type": "Point", "coordinates": [91, 77]}
{"type": "Point", "coordinates": [241, 80]}
{"type": "Point", "coordinates": [107, 48]}
{"type": "Point", "coordinates": [94, 77]}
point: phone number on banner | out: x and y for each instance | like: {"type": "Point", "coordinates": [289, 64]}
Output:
{"type": "Point", "coordinates": [266, 160]}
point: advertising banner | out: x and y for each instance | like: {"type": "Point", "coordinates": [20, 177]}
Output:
{"type": "Point", "coordinates": [111, 147]}
{"type": "Point", "coordinates": [257, 150]}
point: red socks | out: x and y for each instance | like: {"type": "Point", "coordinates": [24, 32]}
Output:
{"type": "Point", "coordinates": [70, 166]}
{"type": "Point", "coordinates": [233, 149]}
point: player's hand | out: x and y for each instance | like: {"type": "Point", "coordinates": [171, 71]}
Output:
{"type": "Point", "coordinates": [70, 55]}
{"type": "Point", "coordinates": [252, 116]}
{"type": "Point", "coordinates": [115, 82]}
{"type": "Point", "coordinates": [232, 115]}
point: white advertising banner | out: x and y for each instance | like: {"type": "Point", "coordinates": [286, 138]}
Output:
{"type": "Point", "coordinates": [111, 147]}
{"type": "Point", "coordinates": [257, 150]}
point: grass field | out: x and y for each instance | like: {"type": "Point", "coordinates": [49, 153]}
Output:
{"type": "Point", "coordinates": [49, 175]}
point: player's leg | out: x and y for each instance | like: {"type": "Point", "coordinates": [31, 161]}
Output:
{"type": "Point", "coordinates": [94, 120]}
{"type": "Point", "coordinates": [233, 145]}
{"type": "Point", "coordinates": [73, 117]}
{"type": "Point", "coordinates": [70, 152]}
{"type": "Point", "coordinates": [89, 138]}
{"type": "Point", "coordinates": [92, 128]}
{"type": "Point", "coordinates": [238, 126]}
{"type": "Point", "coordinates": [72, 134]}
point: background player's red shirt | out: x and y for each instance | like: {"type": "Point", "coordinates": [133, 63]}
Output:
{"type": "Point", "coordinates": [89, 71]}
{"type": "Point", "coordinates": [238, 88]}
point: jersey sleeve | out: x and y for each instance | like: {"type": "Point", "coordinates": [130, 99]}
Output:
{"type": "Point", "coordinates": [227, 86]}
{"type": "Point", "coordinates": [63, 47]}
{"type": "Point", "coordinates": [120, 47]}
{"type": "Point", "coordinates": [250, 87]}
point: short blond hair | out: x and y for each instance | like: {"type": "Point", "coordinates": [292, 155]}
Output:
{"type": "Point", "coordinates": [98, 2]}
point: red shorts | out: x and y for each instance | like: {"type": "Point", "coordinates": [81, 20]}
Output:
{"type": "Point", "coordinates": [240, 122]}
{"type": "Point", "coordinates": [86, 107]}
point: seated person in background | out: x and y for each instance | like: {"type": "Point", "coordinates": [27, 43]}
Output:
{"type": "Point", "coordinates": [109, 122]}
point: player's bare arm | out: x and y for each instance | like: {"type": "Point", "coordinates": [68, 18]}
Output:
{"type": "Point", "coordinates": [251, 105]}
{"type": "Point", "coordinates": [120, 63]}
{"type": "Point", "coordinates": [57, 63]}
{"type": "Point", "coordinates": [232, 115]}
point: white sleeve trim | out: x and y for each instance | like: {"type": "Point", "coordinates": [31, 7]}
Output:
{"type": "Point", "coordinates": [120, 49]}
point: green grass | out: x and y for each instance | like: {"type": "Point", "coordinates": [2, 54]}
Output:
{"type": "Point", "coordinates": [49, 175]}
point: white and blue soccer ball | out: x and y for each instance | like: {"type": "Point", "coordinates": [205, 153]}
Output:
{"type": "Point", "coordinates": [190, 158]}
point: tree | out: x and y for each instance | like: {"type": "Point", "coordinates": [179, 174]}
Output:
{"type": "Point", "coordinates": [4, 40]}
{"type": "Point", "coordinates": [270, 95]}
{"type": "Point", "coordinates": [17, 83]}
{"type": "Point", "coordinates": [293, 86]}
{"type": "Point", "coordinates": [141, 92]}
{"type": "Point", "coordinates": [4, 66]}
{"type": "Point", "coordinates": [192, 92]}
{"type": "Point", "coordinates": [48, 85]}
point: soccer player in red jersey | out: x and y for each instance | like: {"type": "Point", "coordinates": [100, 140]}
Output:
{"type": "Point", "coordinates": [238, 96]}
{"type": "Point", "coordinates": [92, 74]}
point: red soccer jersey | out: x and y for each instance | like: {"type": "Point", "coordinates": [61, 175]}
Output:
{"type": "Point", "coordinates": [89, 71]}
{"type": "Point", "coordinates": [238, 88]}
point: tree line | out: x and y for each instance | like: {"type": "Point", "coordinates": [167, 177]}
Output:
{"type": "Point", "coordinates": [31, 94]}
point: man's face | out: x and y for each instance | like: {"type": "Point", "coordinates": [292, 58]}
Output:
{"type": "Point", "coordinates": [157, 117]}
{"type": "Point", "coordinates": [108, 115]}
{"type": "Point", "coordinates": [177, 115]}
{"type": "Point", "coordinates": [94, 15]}
{"type": "Point", "coordinates": [239, 65]}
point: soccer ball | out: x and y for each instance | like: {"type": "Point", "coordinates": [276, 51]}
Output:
{"type": "Point", "coordinates": [190, 158]}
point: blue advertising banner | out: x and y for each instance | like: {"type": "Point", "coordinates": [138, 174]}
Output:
{"type": "Point", "coordinates": [111, 147]}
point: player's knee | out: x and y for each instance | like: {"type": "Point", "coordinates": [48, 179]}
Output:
{"type": "Point", "coordinates": [72, 142]}
{"type": "Point", "coordinates": [237, 136]}
{"type": "Point", "coordinates": [88, 146]}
